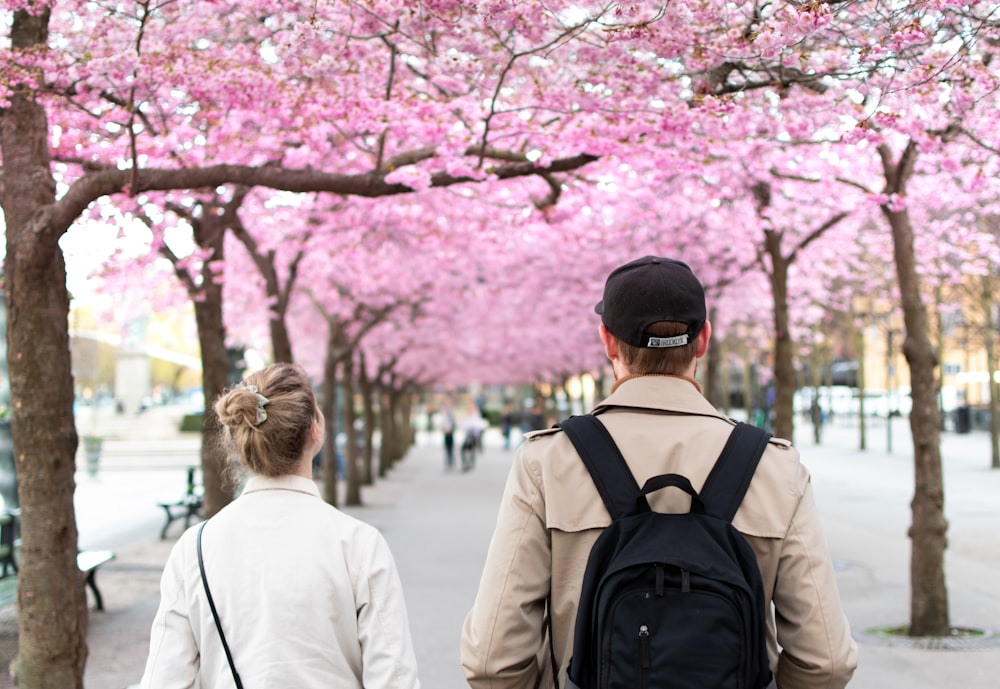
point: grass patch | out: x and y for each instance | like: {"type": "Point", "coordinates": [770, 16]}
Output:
{"type": "Point", "coordinates": [904, 632]}
{"type": "Point", "coordinates": [191, 423]}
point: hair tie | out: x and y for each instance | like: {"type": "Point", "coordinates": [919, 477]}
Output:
{"type": "Point", "coordinates": [261, 401]}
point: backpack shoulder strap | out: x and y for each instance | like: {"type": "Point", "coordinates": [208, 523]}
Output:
{"type": "Point", "coordinates": [730, 478]}
{"type": "Point", "coordinates": [607, 466]}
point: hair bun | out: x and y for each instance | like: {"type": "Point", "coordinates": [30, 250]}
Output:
{"type": "Point", "coordinates": [238, 407]}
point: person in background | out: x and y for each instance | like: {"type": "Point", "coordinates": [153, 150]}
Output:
{"type": "Point", "coordinates": [506, 425]}
{"type": "Point", "coordinates": [306, 595]}
{"type": "Point", "coordinates": [536, 417]}
{"type": "Point", "coordinates": [473, 425]}
{"type": "Point", "coordinates": [447, 421]}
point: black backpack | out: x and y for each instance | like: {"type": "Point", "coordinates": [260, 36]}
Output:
{"type": "Point", "coordinates": [670, 601]}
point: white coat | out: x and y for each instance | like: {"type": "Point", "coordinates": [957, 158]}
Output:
{"type": "Point", "coordinates": [308, 597]}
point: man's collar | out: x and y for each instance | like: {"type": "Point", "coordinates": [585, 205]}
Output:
{"type": "Point", "coordinates": [662, 392]}
{"type": "Point", "coordinates": [653, 375]}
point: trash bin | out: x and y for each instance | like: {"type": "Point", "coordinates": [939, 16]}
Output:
{"type": "Point", "coordinates": [963, 419]}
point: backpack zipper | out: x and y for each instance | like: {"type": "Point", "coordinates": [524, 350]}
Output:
{"type": "Point", "coordinates": [644, 661]}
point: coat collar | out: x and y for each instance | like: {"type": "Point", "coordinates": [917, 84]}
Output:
{"type": "Point", "coordinates": [662, 393]}
{"type": "Point", "coordinates": [299, 484]}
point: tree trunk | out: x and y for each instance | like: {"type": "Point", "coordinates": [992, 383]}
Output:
{"type": "Point", "coordinates": [727, 380]}
{"type": "Point", "coordinates": [409, 435]}
{"type": "Point", "coordinates": [215, 378]}
{"type": "Point", "coordinates": [392, 447]}
{"type": "Point", "coordinates": [209, 233]}
{"type": "Point", "coordinates": [400, 442]}
{"type": "Point", "coordinates": [353, 494]}
{"type": "Point", "coordinates": [600, 386]}
{"type": "Point", "coordinates": [205, 292]}
{"type": "Point", "coordinates": [52, 612]}
{"type": "Point", "coordinates": [816, 411]}
{"type": "Point", "coordinates": [749, 396]}
{"type": "Point", "coordinates": [989, 344]}
{"type": "Point", "coordinates": [281, 344]}
{"type": "Point", "coordinates": [859, 346]}
{"type": "Point", "coordinates": [929, 595]}
{"type": "Point", "coordinates": [330, 467]}
{"type": "Point", "coordinates": [939, 345]}
{"type": "Point", "coordinates": [385, 453]}
{"type": "Point", "coordinates": [713, 366]}
{"type": "Point", "coordinates": [784, 362]}
{"type": "Point", "coordinates": [368, 414]}
{"type": "Point", "coordinates": [364, 392]}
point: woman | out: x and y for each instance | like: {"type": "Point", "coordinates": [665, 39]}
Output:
{"type": "Point", "coordinates": [306, 596]}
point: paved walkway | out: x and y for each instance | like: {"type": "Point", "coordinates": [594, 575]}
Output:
{"type": "Point", "coordinates": [439, 523]}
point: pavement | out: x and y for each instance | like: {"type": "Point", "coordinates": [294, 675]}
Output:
{"type": "Point", "coordinates": [439, 523]}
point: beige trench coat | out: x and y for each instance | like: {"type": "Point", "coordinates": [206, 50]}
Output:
{"type": "Point", "coordinates": [551, 514]}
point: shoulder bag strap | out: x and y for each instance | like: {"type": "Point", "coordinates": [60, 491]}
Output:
{"type": "Point", "coordinates": [730, 478]}
{"type": "Point", "coordinates": [215, 614]}
{"type": "Point", "coordinates": [607, 466]}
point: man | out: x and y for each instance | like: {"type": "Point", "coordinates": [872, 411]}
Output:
{"type": "Point", "coordinates": [654, 329]}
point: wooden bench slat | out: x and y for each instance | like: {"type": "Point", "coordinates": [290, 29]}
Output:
{"type": "Point", "coordinates": [87, 560]}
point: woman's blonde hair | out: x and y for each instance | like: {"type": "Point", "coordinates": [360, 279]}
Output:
{"type": "Point", "coordinates": [652, 360]}
{"type": "Point", "coordinates": [267, 418]}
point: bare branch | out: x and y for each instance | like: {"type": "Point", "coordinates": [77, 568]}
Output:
{"type": "Point", "coordinates": [93, 186]}
{"type": "Point", "coordinates": [979, 142]}
{"type": "Point", "coordinates": [183, 274]}
{"type": "Point", "coordinates": [393, 53]}
{"type": "Point", "coordinates": [816, 234]}
{"type": "Point", "coordinates": [856, 185]}
{"type": "Point", "coordinates": [552, 198]}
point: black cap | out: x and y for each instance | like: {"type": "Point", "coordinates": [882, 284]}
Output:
{"type": "Point", "coordinates": [648, 290]}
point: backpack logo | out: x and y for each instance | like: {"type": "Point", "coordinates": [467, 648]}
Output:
{"type": "Point", "coordinates": [670, 601]}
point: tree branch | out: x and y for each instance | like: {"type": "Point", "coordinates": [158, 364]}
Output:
{"type": "Point", "coordinates": [979, 142]}
{"type": "Point", "coordinates": [93, 186]}
{"type": "Point", "coordinates": [182, 274]}
{"type": "Point", "coordinates": [552, 198]}
{"type": "Point", "coordinates": [816, 234]}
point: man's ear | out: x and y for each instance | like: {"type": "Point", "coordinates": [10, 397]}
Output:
{"type": "Point", "coordinates": [610, 342]}
{"type": "Point", "coordinates": [703, 337]}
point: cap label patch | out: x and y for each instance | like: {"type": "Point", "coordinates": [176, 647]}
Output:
{"type": "Point", "coordinates": [677, 341]}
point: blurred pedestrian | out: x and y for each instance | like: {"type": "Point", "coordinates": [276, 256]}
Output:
{"type": "Point", "coordinates": [473, 425]}
{"type": "Point", "coordinates": [536, 418]}
{"type": "Point", "coordinates": [447, 421]}
{"type": "Point", "coordinates": [506, 425]}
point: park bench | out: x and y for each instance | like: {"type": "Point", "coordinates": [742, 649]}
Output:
{"type": "Point", "coordinates": [188, 507]}
{"type": "Point", "coordinates": [9, 542]}
{"type": "Point", "coordinates": [87, 561]}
